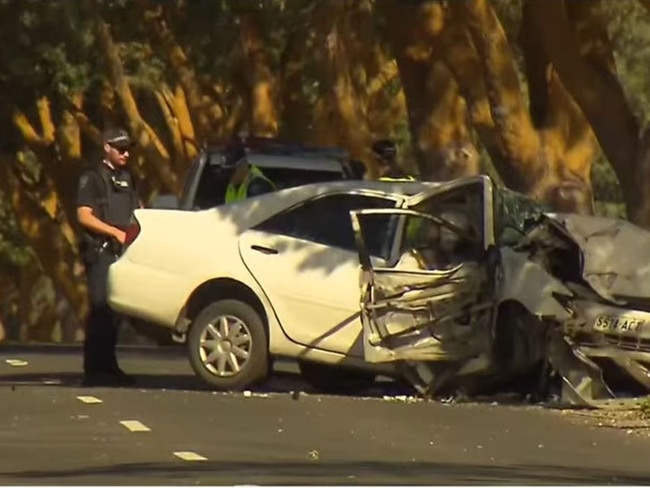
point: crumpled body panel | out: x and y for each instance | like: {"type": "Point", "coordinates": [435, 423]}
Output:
{"type": "Point", "coordinates": [616, 255]}
{"type": "Point", "coordinates": [413, 313]}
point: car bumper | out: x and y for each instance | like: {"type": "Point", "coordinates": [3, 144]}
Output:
{"type": "Point", "coordinates": [145, 293]}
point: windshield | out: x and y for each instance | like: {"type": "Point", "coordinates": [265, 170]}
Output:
{"type": "Point", "coordinates": [514, 210]}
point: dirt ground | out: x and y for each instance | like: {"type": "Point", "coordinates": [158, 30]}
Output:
{"type": "Point", "coordinates": [632, 421]}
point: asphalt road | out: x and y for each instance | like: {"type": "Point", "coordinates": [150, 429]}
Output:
{"type": "Point", "coordinates": [171, 431]}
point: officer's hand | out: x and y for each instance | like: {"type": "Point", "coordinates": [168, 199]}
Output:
{"type": "Point", "coordinates": [120, 236]}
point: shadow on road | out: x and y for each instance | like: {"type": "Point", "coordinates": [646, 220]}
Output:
{"type": "Point", "coordinates": [279, 383]}
{"type": "Point", "coordinates": [329, 472]}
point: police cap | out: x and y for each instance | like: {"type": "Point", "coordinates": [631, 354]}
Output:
{"type": "Point", "coordinates": [117, 138]}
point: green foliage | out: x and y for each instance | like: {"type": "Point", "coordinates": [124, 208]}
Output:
{"type": "Point", "coordinates": [14, 251]}
{"type": "Point", "coordinates": [44, 47]}
{"type": "Point", "coordinates": [630, 34]}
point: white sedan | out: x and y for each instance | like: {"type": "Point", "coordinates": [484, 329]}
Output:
{"type": "Point", "coordinates": [272, 276]}
{"type": "Point", "coordinates": [461, 284]}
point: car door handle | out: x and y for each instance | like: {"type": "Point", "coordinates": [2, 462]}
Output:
{"type": "Point", "coordinates": [264, 250]}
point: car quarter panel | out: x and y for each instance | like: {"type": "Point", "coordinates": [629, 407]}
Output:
{"type": "Point", "coordinates": [174, 254]}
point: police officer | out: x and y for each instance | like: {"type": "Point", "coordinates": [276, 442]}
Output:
{"type": "Point", "coordinates": [106, 199]}
{"type": "Point", "coordinates": [246, 180]}
{"type": "Point", "coordinates": [385, 153]}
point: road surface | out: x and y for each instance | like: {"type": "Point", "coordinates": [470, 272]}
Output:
{"type": "Point", "coordinates": [169, 430]}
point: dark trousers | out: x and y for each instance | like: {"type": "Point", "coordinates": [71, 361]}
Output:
{"type": "Point", "coordinates": [102, 324]}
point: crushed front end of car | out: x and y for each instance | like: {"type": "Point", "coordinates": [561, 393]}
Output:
{"type": "Point", "coordinates": [597, 274]}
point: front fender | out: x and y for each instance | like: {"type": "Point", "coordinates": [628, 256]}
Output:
{"type": "Point", "coordinates": [528, 283]}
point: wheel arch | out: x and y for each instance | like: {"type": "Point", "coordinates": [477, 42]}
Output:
{"type": "Point", "coordinates": [517, 333]}
{"type": "Point", "coordinates": [218, 289]}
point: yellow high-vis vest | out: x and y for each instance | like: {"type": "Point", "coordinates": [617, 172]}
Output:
{"type": "Point", "coordinates": [234, 194]}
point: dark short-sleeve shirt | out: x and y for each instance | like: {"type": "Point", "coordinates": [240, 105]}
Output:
{"type": "Point", "coordinates": [89, 190]}
{"type": "Point", "coordinates": [94, 192]}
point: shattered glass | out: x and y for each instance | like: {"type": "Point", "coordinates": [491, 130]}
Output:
{"type": "Point", "coordinates": [514, 213]}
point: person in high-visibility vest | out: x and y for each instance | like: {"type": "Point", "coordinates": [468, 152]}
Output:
{"type": "Point", "coordinates": [385, 153]}
{"type": "Point", "coordinates": [247, 181]}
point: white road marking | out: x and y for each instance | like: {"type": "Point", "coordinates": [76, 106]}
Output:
{"type": "Point", "coordinates": [135, 425]}
{"type": "Point", "coordinates": [16, 362]}
{"type": "Point", "coordinates": [89, 399]}
{"type": "Point", "coordinates": [189, 456]}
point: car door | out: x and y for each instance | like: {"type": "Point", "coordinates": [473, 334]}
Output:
{"type": "Point", "coordinates": [433, 299]}
{"type": "Point", "coordinates": [305, 260]}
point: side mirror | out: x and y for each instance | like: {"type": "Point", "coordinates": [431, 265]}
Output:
{"type": "Point", "coordinates": [166, 202]}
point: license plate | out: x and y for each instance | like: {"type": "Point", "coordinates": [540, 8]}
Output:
{"type": "Point", "coordinates": [608, 323]}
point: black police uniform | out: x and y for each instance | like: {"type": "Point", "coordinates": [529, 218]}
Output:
{"type": "Point", "coordinates": [112, 195]}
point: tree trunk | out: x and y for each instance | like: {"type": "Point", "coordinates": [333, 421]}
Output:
{"type": "Point", "coordinates": [296, 112]}
{"type": "Point", "coordinates": [590, 77]}
{"type": "Point", "coordinates": [340, 115]}
{"type": "Point", "coordinates": [260, 80]}
{"type": "Point", "coordinates": [547, 156]}
{"type": "Point", "coordinates": [207, 113]}
{"type": "Point", "coordinates": [39, 215]}
{"type": "Point", "coordinates": [437, 113]}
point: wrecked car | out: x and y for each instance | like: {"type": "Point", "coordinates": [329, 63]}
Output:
{"type": "Point", "coordinates": [522, 293]}
{"type": "Point", "coordinates": [456, 286]}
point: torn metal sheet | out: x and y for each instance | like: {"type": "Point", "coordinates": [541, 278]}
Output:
{"type": "Point", "coordinates": [528, 283]}
{"type": "Point", "coordinates": [562, 298]}
{"type": "Point", "coordinates": [616, 255]}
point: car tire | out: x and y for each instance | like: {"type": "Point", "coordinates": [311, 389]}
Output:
{"type": "Point", "coordinates": [332, 379]}
{"type": "Point", "coordinates": [227, 324]}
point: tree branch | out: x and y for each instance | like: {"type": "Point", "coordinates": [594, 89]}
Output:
{"type": "Point", "coordinates": [155, 152]}
{"type": "Point", "coordinates": [511, 118]}
{"type": "Point", "coordinates": [387, 73]}
{"type": "Point", "coordinates": [261, 81]}
{"type": "Point", "coordinates": [26, 129]}
{"type": "Point", "coordinates": [598, 94]}
{"type": "Point", "coordinates": [207, 120]}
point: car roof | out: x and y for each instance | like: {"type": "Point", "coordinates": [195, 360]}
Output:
{"type": "Point", "coordinates": [254, 210]}
{"type": "Point", "coordinates": [288, 157]}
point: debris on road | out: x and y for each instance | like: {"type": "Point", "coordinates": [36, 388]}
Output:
{"type": "Point", "coordinates": [402, 398]}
